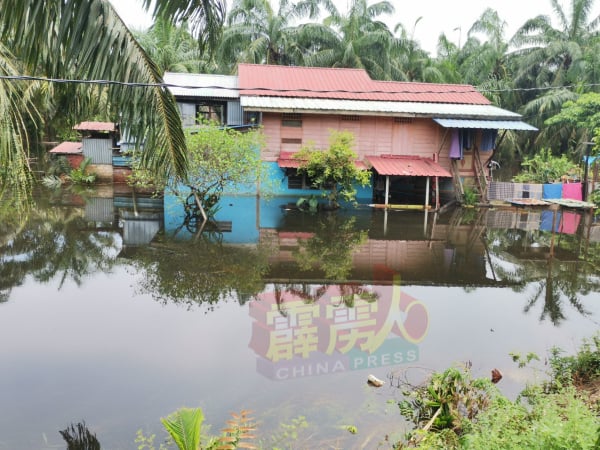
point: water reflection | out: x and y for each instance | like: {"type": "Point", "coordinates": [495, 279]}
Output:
{"type": "Point", "coordinates": [553, 260]}
{"type": "Point", "coordinates": [92, 288]}
{"type": "Point", "coordinates": [305, 331]}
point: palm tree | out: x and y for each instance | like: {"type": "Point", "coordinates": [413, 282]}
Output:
{"type": "Point", "coordinates": [258, 34]}
{"type": "Point", "coordinates": [355, 40]}
{"type": "Point", "coordinates": [550, 57]}
{"type": "Point", "coordinates": [87, 40]}
{"type": "Point", "coordinates": [171, 47]}
{"type": "Point", "coordinates": [410, 62]}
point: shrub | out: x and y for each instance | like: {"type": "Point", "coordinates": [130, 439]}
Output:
{"type": "Point", "coordinates": [544, 167]}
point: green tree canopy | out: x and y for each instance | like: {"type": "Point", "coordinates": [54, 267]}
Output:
{"type": "Point", "coordinates": [334, 169]}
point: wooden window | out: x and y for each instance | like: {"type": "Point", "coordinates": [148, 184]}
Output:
{"type": "Point", "coordinates": [298, 181]}
{"type": "Point", "coordinates": [291, 141]}
{"type": "Point", "coordinates": [291, 120]}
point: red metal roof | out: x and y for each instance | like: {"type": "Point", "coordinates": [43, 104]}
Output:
{"type": "Point", "coordinates": [95, 126]}
{"type": "Point", "coordinates": [67, 148]}
{"type": "Point", "coordinates": [407, 166]}
{"type": "Point", "coordinates": [346, 84]}
{"type": "Point", "coordinates": [286, 160]}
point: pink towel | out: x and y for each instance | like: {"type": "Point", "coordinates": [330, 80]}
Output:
{"type": "Point", "coordinates": [570, 222]}
{"type": "Point", "coordinates": [572, 191]}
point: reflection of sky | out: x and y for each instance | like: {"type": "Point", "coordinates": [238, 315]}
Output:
{"type": "Point", "coordinates": [120, 361]}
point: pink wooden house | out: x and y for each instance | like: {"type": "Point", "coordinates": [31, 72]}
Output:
{"type": "Point", "coordinates": [423, 142]}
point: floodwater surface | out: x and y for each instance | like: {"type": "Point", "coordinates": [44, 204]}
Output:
{"type": "Point", "coordinates": [117, 311]}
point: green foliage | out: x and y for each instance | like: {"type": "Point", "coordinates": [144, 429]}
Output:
{"type": "Point", "coordinates": [551, 422]}
{"type": "Point", "coordinates": [552, 416]}
{"type": "Point", "coordinates": [581, 368]}
{"type": "Point", "coordinates": [221, 158]}
{"type": "Point", "coordinates": [80, 175]}
{"type": "Point", "coordinates": [58, 166]}
{"type": "Point", "coordinates": [544, 167]}
{"type": "Point", "coordinates": [147, 442]}
{"type": "Point", "coordinates": [334, 170]}
{"type": "Point", "coordinates": [594, 197]}
{"type": "Point", "coordinates": [449, 400]}
{"type": "Point", "coordinates": [184, 427]}
{"type": "Point", "coordinates": [521, 360]}
{"type": "Point", "coordinates": [470, 196]}
{"type": "Point", "coordinates": [288, 434]}
{"type": "Point", "coordinates": [583, 113]}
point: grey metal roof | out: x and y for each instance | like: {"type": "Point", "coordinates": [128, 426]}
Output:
{"type": "Point", "coordinates": [202, 85]}
{"type": "Point", "coordinates": [486, 124]}
{"type": "Point", "coordinates": [406, 109]}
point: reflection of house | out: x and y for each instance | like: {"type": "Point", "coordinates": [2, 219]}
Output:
{"type": "Point", "coordinates": [420, 140]}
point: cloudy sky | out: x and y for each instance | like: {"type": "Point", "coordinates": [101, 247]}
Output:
{"type": "Point", "coordinates": [451, 17]}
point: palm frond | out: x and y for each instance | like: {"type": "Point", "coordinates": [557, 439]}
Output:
{"type": "Point", "coordinates": [184, 426]}
{"type": "Point", "coordinates": [89, 41]}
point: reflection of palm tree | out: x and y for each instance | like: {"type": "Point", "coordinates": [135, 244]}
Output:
{"type": "Point", "coordinates": [348, 294]}
{"type": "Point", "coordinates": [553, 280]}
{"type": "Point", "coordinates": [54, 241]}
{"type": "Point", "coordinates": [554, 288]}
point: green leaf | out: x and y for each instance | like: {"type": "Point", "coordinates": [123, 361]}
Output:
{"type": "Point", "coordinates": [184, 426]}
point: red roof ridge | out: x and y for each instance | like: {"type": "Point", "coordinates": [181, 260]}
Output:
{"type": "Point", "coordinates": [306, 67]}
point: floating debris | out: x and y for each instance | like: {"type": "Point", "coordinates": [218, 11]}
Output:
{"type": "Point", "coordinates": [374, 381]}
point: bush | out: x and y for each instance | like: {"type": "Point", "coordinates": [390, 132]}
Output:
{"type": "Point", "coordinates": [544, 168]}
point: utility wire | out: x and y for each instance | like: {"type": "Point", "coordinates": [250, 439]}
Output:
{"type": "Point", "coordinates": [315, 91]}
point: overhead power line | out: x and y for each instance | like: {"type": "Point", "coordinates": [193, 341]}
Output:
{"type": "Point", "coordinates": [315, 91]}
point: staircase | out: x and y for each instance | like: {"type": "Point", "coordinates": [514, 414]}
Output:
{"type": "Point", "coordinates": [458, 186]}
{"type": "Point", "coordinates": [481, 177]}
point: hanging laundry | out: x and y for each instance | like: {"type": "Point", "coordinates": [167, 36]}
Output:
{"type": "Point", "coordinates": [488, 140]}
{"type": "Point", "coordinates": [466, 139]}
{"type": "Point", "coordinates": [455, 147]}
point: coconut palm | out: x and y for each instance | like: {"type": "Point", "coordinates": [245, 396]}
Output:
{"type": "Point", "coordinates": [87, 40]}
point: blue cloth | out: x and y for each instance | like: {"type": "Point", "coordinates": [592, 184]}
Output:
{"type": "Point", "coordinates": [547, 218]}
{"type": "Point", "coordinates": [552, 191]}
{"type": "Point", "coordinates": [488, 140]}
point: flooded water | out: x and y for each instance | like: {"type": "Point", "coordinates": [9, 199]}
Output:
{"type": "Point", "coordinates": [116, 311]}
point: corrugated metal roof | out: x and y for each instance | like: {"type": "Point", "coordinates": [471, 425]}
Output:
{"type": "Point", "coordinates": [95, 126]}
{"type": "Point", "coordinates": [405, 109]}
{"type": "Point", "coordinates": [348, 84]}
{"type": "Point", "coordinates": [202, 85]}
{"type": "Point", "coordinates": [68, 148]}
{"type": "Point", "coordinates": [486, 124]}
{"type": "Point", "coordinates": [407, 166]}
{"type": "Point", "coordinates": [287, 160]}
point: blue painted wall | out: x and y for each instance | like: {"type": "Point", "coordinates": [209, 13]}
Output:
{"type": "Point", "coordinates": [276, 184]}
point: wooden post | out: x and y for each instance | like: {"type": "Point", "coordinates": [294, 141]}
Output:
{"type": "Point", "coordinates": [427, 193]}
{"type": "Point", "coordinates": [387, 189]}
